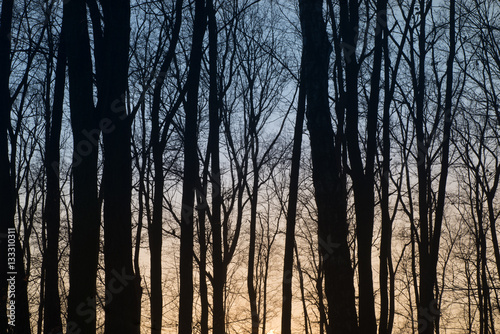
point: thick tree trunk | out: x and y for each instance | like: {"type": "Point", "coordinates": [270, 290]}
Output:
{"type": "Point", "coordinates": [329, 192]}
{"type": "Point", "coordinates": [362, 176]}
{"type": "Point", "coordinates": [10, 240]}
{"type": "Point", "coordinates": [84, 245]}
{"type": "Point", "coordinates": [426, 295]}
{"type": "Point", "coordinates": [190, 172]}
{"type": "Point", "coordinates": [286, 309]}
{"type": "Point", "coordinates": [123, 292]}
{"type": "Point", "coordinates": [52, 313]}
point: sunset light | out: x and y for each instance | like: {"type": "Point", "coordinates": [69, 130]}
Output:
{"type": "Point", "coordinates": [249, 166]}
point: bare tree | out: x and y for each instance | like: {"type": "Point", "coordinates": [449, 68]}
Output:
{"type": "Point", "coordinates": [430, 130]}
{"type": "Point", "coordinates": [11, 248]}
{"type": "Point", "coordinates": [158, 142]}
{"type": "Point", "coordinates": [330, 192]}
{"type": "Point", "coordinates": [53, 119]}
{"type": "Point", "coordinates": [7, 200]}
{"type": "Point", "coordinates": [84, 245]}
{"type": "Point", "coordinates": [190, 171]}
{"type": "Point", "coordinates": [123, 309]}
{"type": "Point", "coordinates": [286, 313]}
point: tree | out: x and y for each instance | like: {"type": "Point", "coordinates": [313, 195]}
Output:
{"type": "Point", "coordinates": [53, 118]}
{"type": "Point", "coordinates": [8, 206]}
{"type": "Point", "coordinates": [363, 177]}
{"type": "Point", "coordinates": [286, 313]}
{"type": "Point", "coordinates": [484, 75]}
{"type": "Point", "coordinates": [476, 142]}
{"type": "Point", "coordinates": [7, 182]}
{"type": "Point", "coordinates": [123, 308]}
{"type": "Point", "coordinates": [84, 243]}
{"type": "Point", "coordinates": [158, 142]}
{"type": "Point", "coordinates": [190, 171]}
{"type": "Point", "coordinates": [430, 236]}
{"type": "Point", "coordinates": [387, 270]}
{"type": "Point", "coordinates": [330, 192]}
{"type": "Point", "coordinates": [430, 130]}
{"type": "Point", "coordinates": [219, 267]}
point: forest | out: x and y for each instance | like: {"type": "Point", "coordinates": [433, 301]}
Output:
{"type": "Point", "coordinates": [249, 166]}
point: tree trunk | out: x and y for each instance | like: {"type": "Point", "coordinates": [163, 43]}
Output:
{"type": "Point", "coordinates": [362, 176]}
{"type": "Point", "coordinates": [7, 198]}
{"type": "Point", "coordinates": [10, 239]}
{"type": "Point", "coordinates": [84, 245]}
{"type": "Point", "coordinates": [426, 294]}
{"type": "Point", "coordinates": [52, 313]}
{"type": "Point", "coordinates": [329, 191]}
{"type": "Point", "coordinates": [252, 293]}
{"type": "Point", "coordinates": [302, 294]}
{"type": "Point", "coordinates": [428, 310]}
{"type": "Point", "coordinates": [492, 219]}
{"type": "Point", "coordinates": [155, 228]}
{"type": "Point", "coordinates": [219, 270]}
{"type": "Point", "coordinates": [385, 273]}
{"type": "Point", "coordinates": [190, 172]}
{"type": "Point", "coordinates": [123, 292]}
{"type": "Point", "coordinates": [202, 204]}
{"type": "Point", "coordinates": [286, 310]}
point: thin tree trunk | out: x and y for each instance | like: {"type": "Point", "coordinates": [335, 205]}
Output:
{"type": "Point", "coordinates": [307, 328]}
{"type": "Point", "coordinates": [42, 287]}
{"type": "Point", "coordinates": [202, 204]}
{"type": "Point", "coordinates": [323, 321]}
{"type": "Point", "coordinates": [155, 228]}
{"type": "Point", "coordinates": [252, 293]}
{"type": "Point", "coordinates": [386, 273]}
{"type": "Point", "coordinates": [252, 147]}
{"type": "Point", "coordinates": [219, 270]}
{"type": "Point", "coordinates": [190, 172]}
{"type": "Point", "coordinates": [202, 238]}
{"type": "Point", "coordinates": [387, 296]}
{"type": "Point", "coordinates": [486, 290]}
{"type": "Point", "coordinates": [286, 310]}
{"type": "Point", "coordinates": [52, 308]}
{"type": "Point", "coordinates": [142, 170]}
{"type": "Point", "coordinates": [492, 220]}
{"type": "Point", "coordinates": [155, 231]}
{"type": "Point", "coordinates": [264, 283]}
{"type": "Point", "coordinates": [428, 312]}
